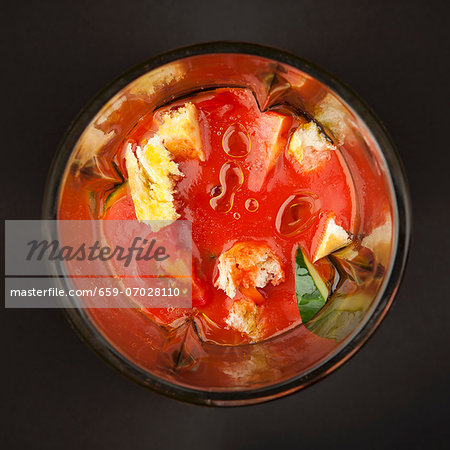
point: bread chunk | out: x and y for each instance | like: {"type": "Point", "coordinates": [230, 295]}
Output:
{"type": "Point", "coordinates": [248, 265]}
{"type": "Point", "coordinates": [245, 317]}
{"type": "Point", "coordinates": [152, 174]}
{"type": "Point", "coordinates": [309, 147]}
{"type": "Point", "coordinates": [379, 241]}
{"type": "Point", "coordinates": [180, 133]}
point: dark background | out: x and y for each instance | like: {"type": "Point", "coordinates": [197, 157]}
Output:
{"type": "Point", "coordinates": [395, 392]}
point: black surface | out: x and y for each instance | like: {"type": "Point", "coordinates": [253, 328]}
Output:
{"type": "Point", "coordinates": [395, 392]}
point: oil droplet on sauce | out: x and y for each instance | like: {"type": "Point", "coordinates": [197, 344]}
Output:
{"type": "Point", "coordinates": [236, 141]}
{"type": "Point", "coordinates": [236, 215]}
{"type": "Point", "coordinates": [297, 213]}
{"type": "Point", "coordinates": [231, 179]}
{"type": "Point", "coordinates": [251, 204]}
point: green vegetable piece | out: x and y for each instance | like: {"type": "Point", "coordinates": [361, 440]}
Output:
{"type": "Point", "coordinates": [341, 316]}
{"type": "Point", "coordinates": [311, 291]}
{"type": "Point", "coordinates": [115, 195]}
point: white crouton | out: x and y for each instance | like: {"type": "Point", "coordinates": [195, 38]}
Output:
{"type": "Point", "coordinates": [180, 133]}
{"type": "Point", "coordinates": [333, 237]}
{"type": "Point", "coordinates": [380, 241]}
{"type": "Point", "coordinates": [158, 79]}
{"type": "Point", "coordinates": [257, 364]}
{"type": "Point", "coordinates": [333, 115]}
{"type": "Point", "coordinates": [245, 317]}
{"type": "Point", "coordinates": [248, 265]}
{"type": "Point", "coordinates": [309, 147]}
{"type": "Point", "coordinates": [152, 175]}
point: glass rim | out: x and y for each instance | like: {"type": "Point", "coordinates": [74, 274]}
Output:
{"type": "Point", "coordinates": [402, 210]}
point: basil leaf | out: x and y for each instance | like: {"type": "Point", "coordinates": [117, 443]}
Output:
{"type": "Point", "coordinates": [310, 289]}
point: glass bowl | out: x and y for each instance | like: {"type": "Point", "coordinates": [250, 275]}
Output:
{"type": "Point", "coordinates": [220, 375]}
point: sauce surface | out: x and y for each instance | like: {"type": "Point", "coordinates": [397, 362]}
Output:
{"type": "Point", "coordinates": [234, 196]}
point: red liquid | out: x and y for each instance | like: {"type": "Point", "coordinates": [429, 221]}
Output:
{"type": "Point", "coordinates": [221, 220]}
{"type": "Point", "coordinates": [253, 216]}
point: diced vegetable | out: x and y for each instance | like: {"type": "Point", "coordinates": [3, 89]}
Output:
{"type": "Point", "coordinates": [311, 290]}
{"type": "Point", "coordinates": [356, 263]}
{"type": "Point", "coordinates": [115, 195]}
{"type": "Point", "coordinates": [341, 315]}
{"type": "Point", "coordinates": [271, 134]}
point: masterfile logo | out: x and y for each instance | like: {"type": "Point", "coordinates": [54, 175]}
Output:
{"type": "Point", "coordinates": [98, 264]}
{"type": "Point", "coordinates": [141, 249]}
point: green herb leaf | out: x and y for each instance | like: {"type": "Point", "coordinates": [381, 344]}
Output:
{"type": "Point", "coordinates": [310, 289]}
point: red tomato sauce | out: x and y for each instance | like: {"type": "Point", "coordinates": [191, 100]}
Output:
{"type": "Point", "coordinates": [235, 133]}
